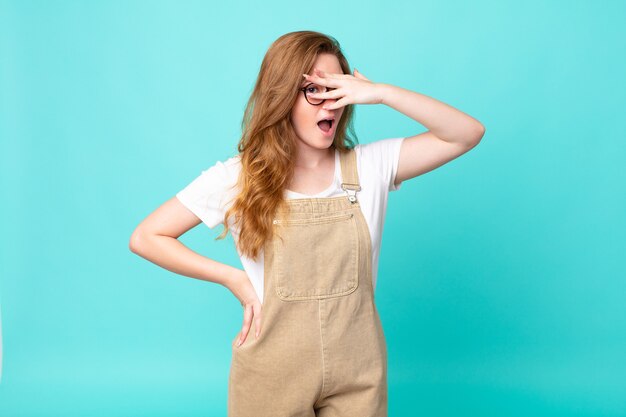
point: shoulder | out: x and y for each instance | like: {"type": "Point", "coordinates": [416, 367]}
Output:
{"type": "Point", "coordinates": [377, 147]}
{"type": "Point", "coordinates": [380, 157]}
{"type": "Point", "coordinates": [380, 154]}
{"type": "Point", "coordinates": [217, 178]}
{"type": "Point", "coordinates": [223, 170]}
{"type": "Point", "coordinates": [209, 193]}
{"type": "Point", "coordinates": [228, 166]}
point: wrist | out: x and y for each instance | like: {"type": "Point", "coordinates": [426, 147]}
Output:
{"type": "Point", "coordinates": [383, 93]}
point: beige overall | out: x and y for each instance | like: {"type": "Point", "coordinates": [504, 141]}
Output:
{"type": "Point", "coordinates": [321, 351]}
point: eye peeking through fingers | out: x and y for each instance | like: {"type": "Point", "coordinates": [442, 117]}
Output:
{"type": "Point", "coordinates": [313, 89]}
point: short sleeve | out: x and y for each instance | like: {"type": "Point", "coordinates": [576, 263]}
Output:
{"type": "Point", "coordinates": [209, 194]}
{"type": "Point", "coordinates": [383, 155]}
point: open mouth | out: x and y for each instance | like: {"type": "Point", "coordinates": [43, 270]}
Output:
{"type": "Point", "coordinates": [325, 125]}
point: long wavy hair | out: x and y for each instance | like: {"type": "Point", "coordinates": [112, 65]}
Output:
{"type": "Point", "coordinates": [268, 143]}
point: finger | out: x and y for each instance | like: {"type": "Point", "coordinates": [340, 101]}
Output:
{"type": "Point", "coordinates": [359, 75]}
{"type": "Point", "coordinates": [331, 74]}
{"type": "Point", "coordinates": [337, 104]}
{"type": "Point", "coordinates": [247, 319]}
{"type": "Point", "coordinates": [246, 325]}
{"type": "Point", "coordinates": [329, 82]}
{"type": "Point", "coordinates": [336, 93]}
{"type": "Point", "coordinates": [257, 318]}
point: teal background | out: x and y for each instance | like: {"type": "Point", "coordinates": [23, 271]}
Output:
{"type": "Point", "coordinates": [502, 279]}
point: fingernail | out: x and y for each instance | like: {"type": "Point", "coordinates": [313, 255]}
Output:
{"type": "Point", "coordinates": [257, 334]}
{"type": "Point", "coordinates": [239, 343]}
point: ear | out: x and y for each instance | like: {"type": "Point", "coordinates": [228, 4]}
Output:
{"type": "Point", "coordinates": [359, 75]}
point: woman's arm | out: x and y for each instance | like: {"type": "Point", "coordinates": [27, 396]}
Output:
{"type": "Point", "coordinates": [451, 132]}
{"type": "Point", "coordinates": [156, 239]}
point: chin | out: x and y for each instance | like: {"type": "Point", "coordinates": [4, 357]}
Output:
{"type": "Point", "coordinates": [324, 143]}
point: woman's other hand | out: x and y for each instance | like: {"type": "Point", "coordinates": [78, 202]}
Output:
{"type": "Point", "coordinates": [239, 284]}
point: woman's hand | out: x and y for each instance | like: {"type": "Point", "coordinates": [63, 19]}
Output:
{"type": "Point", "coordinates": [348, 89]}
{"type": "Point", "coordinates": [241, 287]}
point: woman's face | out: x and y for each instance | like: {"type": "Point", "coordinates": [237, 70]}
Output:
{"type": "Point", "coordinates": [304, 116]}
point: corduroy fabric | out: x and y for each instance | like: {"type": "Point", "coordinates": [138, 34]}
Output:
{"type": "Point", "coordinates": [322, 350]}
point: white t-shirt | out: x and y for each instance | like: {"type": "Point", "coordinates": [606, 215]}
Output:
{"type": "Point", "coordinates": [212, 192]}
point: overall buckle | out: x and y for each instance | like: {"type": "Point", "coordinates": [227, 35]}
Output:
{"type": "Point", "coordinates": [351, 190]}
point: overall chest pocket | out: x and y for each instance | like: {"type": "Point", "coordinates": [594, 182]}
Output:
{"type": "Point", "coordinates": [316, 258]}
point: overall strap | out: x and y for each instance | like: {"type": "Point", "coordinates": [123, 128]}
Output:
{"type": "Point", "coordinates": [349, 174]}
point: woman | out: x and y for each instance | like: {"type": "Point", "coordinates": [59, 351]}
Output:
{"type": "Point", "coordinates": [306, 206]}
